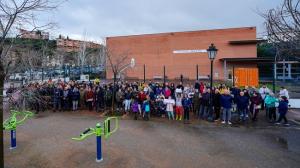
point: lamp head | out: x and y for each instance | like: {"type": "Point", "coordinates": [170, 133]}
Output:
{"type": "Point", "coordinates": [212, 52]}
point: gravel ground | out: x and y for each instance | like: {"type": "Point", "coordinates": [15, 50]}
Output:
{"type": "Point", "coordinates": [45, 142]}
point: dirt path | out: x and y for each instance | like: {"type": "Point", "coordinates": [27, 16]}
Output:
{"type": "Point", "coordinates": [45, 142]}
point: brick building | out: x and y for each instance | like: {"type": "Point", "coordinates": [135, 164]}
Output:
{"type": "Point", "coordinates": [181, 52]}
{"type": "Point", "coordinates": [70, 45]}
{"type": "Point", "coordinates": [34, 34]}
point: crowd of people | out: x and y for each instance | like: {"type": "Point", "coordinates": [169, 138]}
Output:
{"type": "Point", "coordinates": [174, 102]}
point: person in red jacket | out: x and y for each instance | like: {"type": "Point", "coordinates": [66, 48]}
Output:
{"type": "Point", "coordinates": [202, 87]}
{"type": "Point", "coordinates": [89, 98]}
{"type": "Point", "coordinates": [141, 98]}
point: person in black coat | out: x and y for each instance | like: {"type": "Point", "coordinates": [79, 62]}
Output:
{"type": "Point", "coordinates": [236, 92]}
{"type": "Point", "coordinates": [99, 98]}
{"type": "Point", "coordinates": [217, 103]}
{"type": "Point", "coordinates": [204, 104]}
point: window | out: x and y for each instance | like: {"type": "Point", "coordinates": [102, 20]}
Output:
{"type": "Point", "coordinates": [229, 72]}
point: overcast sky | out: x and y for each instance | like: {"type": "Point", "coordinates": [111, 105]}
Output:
{"type": "Point", "coordinates": [103, 18]}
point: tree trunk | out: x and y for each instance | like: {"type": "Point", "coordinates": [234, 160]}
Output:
{"type": "Point", "coordinates": [113, 97]}
{"type": "Point", "coordinates": [2, 76]}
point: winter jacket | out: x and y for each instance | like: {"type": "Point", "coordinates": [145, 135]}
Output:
{"type": "Point", "coordinates": [135, 107]}
{"type": "Point", "coordinates": [66, 94]}
{"type": "Point", "coordinates": [57, 94]}
{"type": "Point", "coordinates": [242, 102]}
{"type": "Point", "coordinates": [283, 106]}
{"type": "Point", "coordinates": [216, 100]}
{"type": "Point", "coordinates": [263, 92]}
{"type": "Point", "coordinates": [127, 96]}
{"type": "Point", "coordinates": [186, 103]}
{"type": "Point", "coordinates": [142, 97]}
{"type": "Point", "coordinates": [75, 95]}
{"type": "Point", "coordinates": [146, 106]}
{"type": "Point", "coordinates": [284, 92]}
{"type": "Point", "coordinates": [270, 101]}
{"type": "Point", "coordinates": [226, 101]}
{"type": "Point", "coordinates": [170, 104]}
{"type": "Point", "coordinates": [255, 100]}
{"type": "Point", "coordinates": [235, 92]}
{"type": "Point", "coordinates": [167, 93]}
{"type": "Point", "coordinates": [89, 96]}
{"type": "Point", "coordinates": [100, 95]}
{"type": "Point", "coordinates": [119, 96]}
{"type": "Point", "coordinates": [196, 100]}
{"type": "Point", "coordinates": [201, 88]}
{"type": "Point", "coordinates": [205, 99]}
{"type": "Point", "coordinates": [108, 95]}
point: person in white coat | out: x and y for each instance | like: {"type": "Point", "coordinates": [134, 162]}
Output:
{"type": "Point", "coordinates": [170, 107]}
{"type": "Point", "coordinates": [284, 92]}
{"type": "Point", "coordinates": [263, 91]}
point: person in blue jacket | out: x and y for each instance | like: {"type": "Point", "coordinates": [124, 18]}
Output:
{"type": "Point", "coordinates": [282, 110]}
{"type": "Point", "coordinates": [186, 103]}
{"type": "Point", "coordinates": [242, 103]}
{"type": "Point", "coordinates": [75, 96]}
{"type": "Point", "coordinates": [226, 103]}
{"type": "Point", "coordinates": [57, 98]}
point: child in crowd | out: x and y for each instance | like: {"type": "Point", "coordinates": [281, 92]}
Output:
{"type": "Point", "coordinates": [170, 110]}
{"type": "Point", "coordinates": [146, 108]}
{"type": "Point", "coordinates": [186, 103]}
{"type": "Point", "coordinates": [282, 110]}
{"type": "Point", "coordinates": [135, 108]}
{"type": "Point", "coordinates": [179, 108]}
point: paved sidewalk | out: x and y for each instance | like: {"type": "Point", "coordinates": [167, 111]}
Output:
{"type": "Point", "coordinates": [294, 115]}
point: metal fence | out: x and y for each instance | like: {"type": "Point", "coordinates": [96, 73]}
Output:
{"type": "Point", "coordinates": [172, 72]}
{"type": "Point", "coordinates": [62, 72]}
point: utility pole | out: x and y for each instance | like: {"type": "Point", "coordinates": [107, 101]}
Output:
{"type": "Point", "coordinates": [197, 72]}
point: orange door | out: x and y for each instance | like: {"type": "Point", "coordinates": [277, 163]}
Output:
{"type": "Point", "coordinates": [246, 77]}
{"type": "Point", "coordinates": [253, 77]}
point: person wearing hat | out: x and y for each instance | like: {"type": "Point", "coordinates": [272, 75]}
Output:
{"type": "Point", "coordinates": [282, 110]}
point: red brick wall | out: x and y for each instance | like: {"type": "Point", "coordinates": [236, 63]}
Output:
{"type": "Point", "coordinates": [156, 50]}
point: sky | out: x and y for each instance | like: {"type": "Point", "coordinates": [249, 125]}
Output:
{"type": "Point", "coordinates": [96, 19]}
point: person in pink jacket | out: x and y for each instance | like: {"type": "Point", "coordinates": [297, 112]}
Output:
{"type": "Point", "coordinates": [167, 92]}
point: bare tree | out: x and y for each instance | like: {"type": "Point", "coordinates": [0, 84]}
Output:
{"type": "Point", "coordinates": [283, 27]}
{"type": "Point", "coordinates": [14, 13]}
{"type": "Point", "coordinates": [101, 57]}
{"type": "Point", "coordinates": [117, 63]}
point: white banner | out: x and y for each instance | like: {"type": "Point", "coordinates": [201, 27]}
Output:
{"type": "Point", "coordinates": [188, 51]}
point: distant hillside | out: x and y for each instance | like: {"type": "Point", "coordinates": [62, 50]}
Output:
{"type": "Point", "coordinates": [35, 44]}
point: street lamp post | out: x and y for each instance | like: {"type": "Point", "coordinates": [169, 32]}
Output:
{"type": "Point", "coordinates": [212, 53]}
